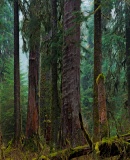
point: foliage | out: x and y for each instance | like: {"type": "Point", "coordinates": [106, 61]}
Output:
{"type": "Point", "coordinates": [7, 100]}
{"type": "Point", "coordinates": [6, 34]}
{"type": "Point", "coordinates": [87, 72]}
{"type": "Point", "coordinates": [113, 64]}
{"type": "Point", "coordinates": [6, 29]}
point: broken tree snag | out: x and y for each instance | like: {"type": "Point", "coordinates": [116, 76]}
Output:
{"type": "Point", "coordinates": [102, 106]}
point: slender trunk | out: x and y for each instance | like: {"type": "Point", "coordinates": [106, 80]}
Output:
{"type": "Point", "coordinates": [128, 53]}
{"type": "Point", "coordinates": [45, 102]}
{"type": "Point", "coordinates": [17, 112]}
{"type": "Point", "coordinates": [102, 106]}
{"type": "Point", "coordinates": [55, 102]}
{"type": "Point", "coordinates": [1, 138]}
{"type": "Point", "coordinates": [97, 66]}
{"type": "Point", "coordinates": [32, 126]}
{"type": "Point", "coordinates": [71, 130]}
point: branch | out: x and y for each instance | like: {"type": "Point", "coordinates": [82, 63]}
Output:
{"type": "Point", "coordinates": [84, 131]}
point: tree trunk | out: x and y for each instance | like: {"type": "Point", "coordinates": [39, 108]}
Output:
{"type": "Point", "coordinates": [71, 130]}
{"type": "Point", "coordinates": [97, 66]}
{"type": "Point", "coordinates": [46, 78]}
{"type": "Point", "coordinates": [32, 126]}
{"type": "Point", "coordinates": [45, 102]}
{"type": "Point", "coordinates": [17, 111]}
{"type": "Point", "coordinates": [55, 99]}
{"type": "Point", "coordinates": [102, 106]}
{"type": "Point", "coordinates": [128, 53]}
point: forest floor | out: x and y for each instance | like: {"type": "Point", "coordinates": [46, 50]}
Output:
{"type": "Point", "coordinates": [16, 154]}
{"type": "Point", "coordinates": [119, 146]}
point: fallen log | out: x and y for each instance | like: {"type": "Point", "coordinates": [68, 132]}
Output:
{"type": "Point", "coordinates": [119, 145]}
{"type": "Point", "coordinates": [114, 146]}
{"type": "Point", "coordinates": [68, 153]}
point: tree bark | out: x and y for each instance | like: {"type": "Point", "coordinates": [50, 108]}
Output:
{"type": "Point", "coordinates": [46, 78]}
{"type": "Point", "coordinates": [55, 97]}
{"type": "Point", "coordinates": [45, 102]}
{"type": "Point", "coordinates": [17, 110]}
{"type": "Point", "coordinates": [71, 130]}
{"type": "Point", "coordinates": [103, 122]}
{"type": "Point", "coordinates": [97, 66]}
{"type": "Point", "coordinates": [32, 126]}
{"type": "Point", "coordinates": [128, 53]}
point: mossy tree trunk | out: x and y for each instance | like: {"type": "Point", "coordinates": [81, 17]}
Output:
{"type": "Point", "coordinates": [103, 122]}
{"type": "Point", "coordinates": [97, 65]}
{"type": "Point", "coordinates": [45, 101]}
{"type": "Point", "coordinates": [71, 130]}
{"type": "Point", "coordinates": [128, 52]}
{"type": "Point", "coordinates": [32, 126]}
{"type": "Point", "coordinates": [55, 115]}
{"type": "Point", "coordinates": [17, 110]}
{"type": "Point", "coordinates": [46, 76]}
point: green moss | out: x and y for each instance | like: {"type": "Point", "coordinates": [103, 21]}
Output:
{"type": "Point", "coordinates": [99, 77]}
{"type": "Point", "coordinates": [64, 154]}
{"type": "Point", "coordinates": [47, 121]}
{"type": "Point", "coordinates": [97, 148]}
{"type": "Point", "coordinates": [108, 146]}
{"type": "Point", "coordinates": [43, 158]}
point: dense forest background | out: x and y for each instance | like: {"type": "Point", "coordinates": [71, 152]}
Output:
{"type": "Point", "coordinates": [75, 88]}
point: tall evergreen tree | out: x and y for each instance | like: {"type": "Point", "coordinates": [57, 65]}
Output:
{"type": "Point", "coordinates": [97, 65]}
{"type": "Point", "coordinates": [55, 99]}
{"type": "Point", "coordinates": [128, 51]}
{"type": "Point", "coordinates": [17, 110]}
{"type": "Point", "coordinates": [32, 126]}
{"type": "Point", "coordinates": [71, 132]}
{"type": "Point", "coordinates": [45, 75]}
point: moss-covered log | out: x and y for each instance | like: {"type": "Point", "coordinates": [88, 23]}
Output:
{"type": "Point", "coordinates": [114, 146]}
{"type": "Point", "coordinates": [68, 154]}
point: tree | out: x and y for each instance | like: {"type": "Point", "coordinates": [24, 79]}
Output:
{"type": "Point", "coordinates": [32, 126]}
{"type": "Point", "coordinates": [102, 106]}
{"type": "Point", "coordinates": [97, 65]}
{"type": "Point", "coordinates": [17, 110]}
{"type": "Point", "coordinates": [7, 102]}
{"type": "Point", "coordinates": [71, 131]}
{"type": "Point", "coordinates": [6, 38]}
{"type": "Point", "coordinates": [128, 52]}
{"type": "Point", "coordinates": [55, 97]}
{"type": "Point", "coordinates": [114, 64]}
